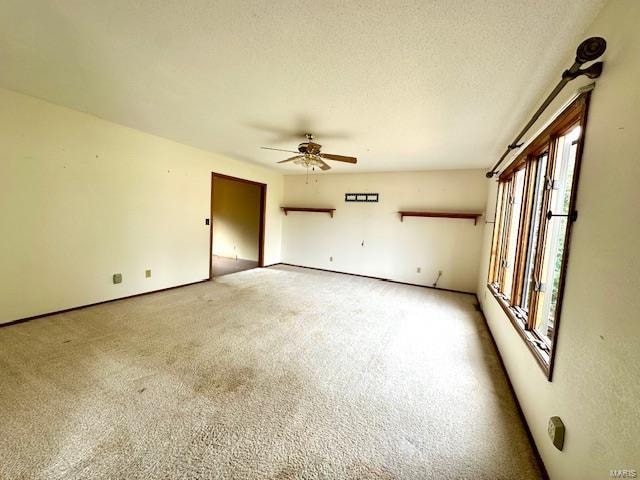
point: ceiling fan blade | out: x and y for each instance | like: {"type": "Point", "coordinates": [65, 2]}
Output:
{"type": "Point", "coordinates": [339, 158]}
{"type": "Point", "coordinates": [291, 159]}
{"type": "Point", "coordinates": [279, 150]}
{"type": "Point", "coordinates": [324, 166]}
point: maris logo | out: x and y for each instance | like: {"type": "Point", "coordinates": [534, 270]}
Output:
{"type": "Point", "coordinates": [624, 473]}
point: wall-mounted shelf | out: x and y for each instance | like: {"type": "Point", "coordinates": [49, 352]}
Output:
{"type": "Point", "coordinates": [301, 209]}
{"type": "Point", "coordinates": [470, 216]}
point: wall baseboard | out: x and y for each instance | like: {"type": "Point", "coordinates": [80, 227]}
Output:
{"type": "Point", "coordinates": [377, 278]}
{"type": "Point", "coordinates": [538, 457]}
{"type": "Point", "coordinates": [272, 265]}
{"type": "Point", "coordinates": [66, 310]}
{"type": "Point", "coordinates": [79, 307]}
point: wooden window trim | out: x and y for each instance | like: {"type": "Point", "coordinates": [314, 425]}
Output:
{"type": "Point", "coordinates": [523, 322]}
{"type": "Point", "coordinates": [573, 114]}
{"type": "Point", "coordinates": [507, 229]}
{"type": "Point", "coordinates": [497, 220]}
{"type": "Point", "coordinates": [527, 221]}
{"type": "Point", "coordinates": [542, 358]}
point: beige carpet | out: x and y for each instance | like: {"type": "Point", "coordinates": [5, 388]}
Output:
{"type": "Point", "coordinates": [270, 373]}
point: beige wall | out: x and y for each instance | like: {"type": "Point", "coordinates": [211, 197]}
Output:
{"type": "Point", "coordinates": [236, 219]}
{"type": "Point", "coordinates": [392, 249]}
{"type": "Point", "coordinates": [596, 382]}
{"type": "Point", "coordinates": [82, 198]}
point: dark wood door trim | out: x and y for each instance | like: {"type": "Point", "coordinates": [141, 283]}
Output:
{"type": "Point", "coordinates": [263, 209]}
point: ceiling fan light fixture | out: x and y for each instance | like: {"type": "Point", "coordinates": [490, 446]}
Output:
{"type": "Point", "coordinates": [310, 155]}
{"type": "Point", "coordinates": [309, 160]}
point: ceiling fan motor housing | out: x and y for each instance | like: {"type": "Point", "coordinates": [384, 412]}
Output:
{"type": "Point", "coordinates": [310, 148]}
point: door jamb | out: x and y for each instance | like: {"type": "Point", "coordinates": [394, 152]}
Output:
{"type": "Point", "coordinates": [263, 206]}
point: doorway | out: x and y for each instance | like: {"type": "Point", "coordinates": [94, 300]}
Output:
{"type": "Point", "coordinates": [236, 231]}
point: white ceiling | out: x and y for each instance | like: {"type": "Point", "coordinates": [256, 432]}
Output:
{"type": "Point", "coordinates": [402, 85]}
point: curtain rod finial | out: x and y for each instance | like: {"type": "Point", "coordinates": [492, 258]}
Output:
{"type": "Point", "coordinates": [590, 49]}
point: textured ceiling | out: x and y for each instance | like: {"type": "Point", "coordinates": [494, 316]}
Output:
{"type": "Point", "coordinates": [402, 85]}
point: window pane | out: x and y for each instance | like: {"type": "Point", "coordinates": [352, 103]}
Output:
{"type": "Point", "coordinates": [514, 224]}
{"type": "Point", "coordinates": [504, 226]}
{"type": "Point", "coordinates": [540, 171]}
{"type": "Point", "coordinates": [554, 246]}
{"type": "Point", "coordinates": [497, 234]}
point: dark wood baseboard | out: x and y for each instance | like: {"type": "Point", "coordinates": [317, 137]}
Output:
{"type": "Point", "coordinates": [66, 310]}
{"type": "Point", "coordinates": [376, 278]}
{"type": "Point", "coordinates": [536, 453]}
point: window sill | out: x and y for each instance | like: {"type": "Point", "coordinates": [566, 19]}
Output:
{"type": "Point", "coordinates": [542, 357]}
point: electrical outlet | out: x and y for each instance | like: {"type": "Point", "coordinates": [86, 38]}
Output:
{"type": "Point", "coordinates": [556, 432]}
{"type": "Point", "coordinates": [331, 259]}
{"type": "Point", "coordinates": [117, 278]}
{"type": "Point", "coordinates": [418, 270]}
{"type": "Point", "coordinates": [147, 273]}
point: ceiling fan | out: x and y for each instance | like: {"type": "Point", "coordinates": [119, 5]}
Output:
{"type": "Point", "coordinates": [309, 155]}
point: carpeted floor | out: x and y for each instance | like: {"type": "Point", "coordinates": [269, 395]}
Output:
{"type": "Point", "coordinates": [274, 373]}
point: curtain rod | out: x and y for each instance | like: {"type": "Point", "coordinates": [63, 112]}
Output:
{"type": "Point", "coordinates": [589, 50]}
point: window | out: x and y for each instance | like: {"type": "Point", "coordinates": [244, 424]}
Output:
{"type": "Point", "coordinates": [535, 209]}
